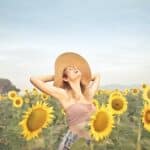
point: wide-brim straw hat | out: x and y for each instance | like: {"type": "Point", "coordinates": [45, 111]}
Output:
{"type": "Point", "coordinates": [67, 59]}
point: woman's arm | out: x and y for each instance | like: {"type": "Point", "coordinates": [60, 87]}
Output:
{"type": "Point", "coordinates": [40, 83]}
{"type": "Point", "coordinates": [94, 85]}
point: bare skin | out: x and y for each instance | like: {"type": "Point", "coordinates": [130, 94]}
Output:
{"type": "Point", "coordinates": [68, 97]}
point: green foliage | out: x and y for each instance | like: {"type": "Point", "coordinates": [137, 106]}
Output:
{"type": "Point", "coordinates": [123, 137]}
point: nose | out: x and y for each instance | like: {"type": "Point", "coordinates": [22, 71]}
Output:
{"type": "Point", "coordinates": [76, 71]}
{"type": "Point", "coordinates": [75, 67]}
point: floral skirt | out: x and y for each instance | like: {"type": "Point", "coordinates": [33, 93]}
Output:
{"type": "Point", "coordinates": [68, 139]}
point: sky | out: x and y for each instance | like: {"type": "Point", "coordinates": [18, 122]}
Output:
{"type": "Point", "coordinates": [113, 36]}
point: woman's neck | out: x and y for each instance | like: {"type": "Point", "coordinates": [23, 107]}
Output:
{"type": "Point", "coordinates": [76, 90]}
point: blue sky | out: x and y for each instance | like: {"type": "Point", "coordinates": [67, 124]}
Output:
{"type": "Point", "coordinates": [114, 36]}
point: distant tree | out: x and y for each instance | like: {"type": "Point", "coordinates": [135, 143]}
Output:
{"type": "Point", "coordinates": [6, 85]}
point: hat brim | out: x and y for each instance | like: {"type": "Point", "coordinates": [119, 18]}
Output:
{"type": "Point", "coordinates": [69, 58]}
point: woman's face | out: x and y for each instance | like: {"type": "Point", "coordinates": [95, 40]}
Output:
{"type": "Point", "coordinates": [72, 72]}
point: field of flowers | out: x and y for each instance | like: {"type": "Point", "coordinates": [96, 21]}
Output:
{"type": "Point", "coordinates": [32, 120]}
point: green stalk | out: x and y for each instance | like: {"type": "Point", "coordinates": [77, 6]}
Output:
{"type": "Point", "coordinates": [118, 121]}
{"type": "Point", "coordinates": [117, 129]}
{"type": "Point", "coordinates": [91, 146]}
{"type": "Point", "coordinates": [138, 145]}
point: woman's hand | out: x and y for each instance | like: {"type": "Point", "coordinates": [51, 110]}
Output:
{"type": "Point", "coordinates": [93, 86]}
{"type": "Point", "coordinates": [95, 76]}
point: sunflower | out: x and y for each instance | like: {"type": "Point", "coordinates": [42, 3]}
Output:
{"type": "Point", "coordinates": [1, 97]}
{"type": "Point", "coordinates": [34, 91]}
{"type": "Point", "coordinates": [44, 96]}
{"type": "Point", "coordinates": [63, 112]}
{"type": "Point", "coordinates": [146, 117]}
{"type": "Point", "coordinates": [98, 92]}
{"type": "Point", "coordinates": [115, 93]}
{"type": "Point", "coordinates": [135, 91]}
{"type": "Point", "coordinates": [107, 92]}
{"type": "Point", "coordinates": [146, 93]}
{"type": "Point", "coordinates": [26, 91]}
{"type": "Point", "coordinates": [17, 101]}
{"type": "Point", "coordinates": [27, 100]}
{"type": "Point", "coordinates": [35, 118]}
{"type": "Point", "coordinates": [12, 95]}
{"type": "Point", "coordinates": [96, 103]}
{"type": "Point", "coordinates": [117, 104]}
{"type": "Point", "coordinates": [144, 85]}
{"type": "Point", "coordinates": [125, 92]}
{"type": "Point", "coordinates": [102, 91]}
{"type": "Point", "coordinates": [101, 123]}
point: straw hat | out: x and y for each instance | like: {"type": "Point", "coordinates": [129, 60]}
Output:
{"type": "Point", "coordinates": [67, 59]}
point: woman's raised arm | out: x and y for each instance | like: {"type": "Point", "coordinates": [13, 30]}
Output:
{"type": "Point", "coordinates": [40, 83]}
{"type": "Point", "coordinates": [93, 85]}
{"type": "Point", "coordinates": [44, 78]}
{"type": "Point", "coordinates": [96, 83]}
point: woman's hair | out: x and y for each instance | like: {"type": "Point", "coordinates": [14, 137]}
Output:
{"type": "Point", "coordinates": [66, 85]}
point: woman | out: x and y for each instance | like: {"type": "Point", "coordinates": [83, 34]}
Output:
{"type": "Point", "coordinates": [74, 87]}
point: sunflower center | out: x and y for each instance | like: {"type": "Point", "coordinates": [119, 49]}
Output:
{"type": "Point", "coordinates": [12, 95]}
{"type": "Point", "coordinates": [134, 90]}
{"type": "Point", "coordinates": [101, 121]}
{"type": "Point", "coordinates": [117, 104]}
{"type": "Point", "coordinates": [147, 116]}
{"type": "Point", "coordinates": [45, 96]}
{"type": "Point", "coordinates": [148, 94]}
{"type": "Point", "coordinates": [18, 102]}
{"type": "Point", "coordinates": [144, 85]}
{"type": "Point", "coordinates": [36, 119]}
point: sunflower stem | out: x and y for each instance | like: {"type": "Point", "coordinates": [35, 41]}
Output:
{"type": "Point", "coordinates": [117, 122]}
{"type": "Point", "coordinates": [91, 146]}
{"type": "Point", "coordinates": [138, 146]}
{"type": "Point", "coordinates": [105, 145]}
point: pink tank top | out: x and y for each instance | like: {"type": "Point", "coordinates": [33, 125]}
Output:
{"type": "Point", "coordinates": [79, 112]}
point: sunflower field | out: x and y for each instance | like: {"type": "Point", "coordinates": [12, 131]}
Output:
{"type": "Point", "coordinates": [32, 120]}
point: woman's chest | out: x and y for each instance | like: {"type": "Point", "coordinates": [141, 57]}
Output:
{"type": "Point", "coordinates": [71, 101]}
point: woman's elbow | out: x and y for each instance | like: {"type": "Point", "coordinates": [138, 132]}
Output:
{"type": "Point", "coordinates": [32, 79]}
